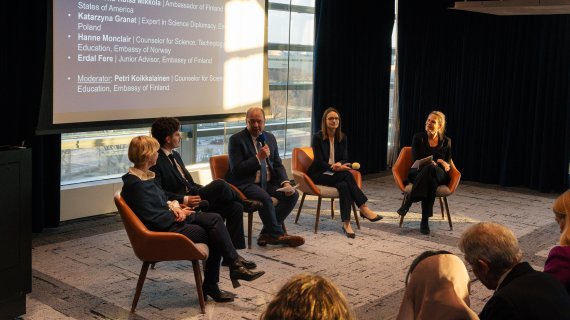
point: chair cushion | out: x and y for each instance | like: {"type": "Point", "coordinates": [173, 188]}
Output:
{"type": "Point", "coordinates": [328, 192]}
{"type": "Point", "coordinates": [442, 191]}
{"type": "Point", "coordinates": [204, 248]}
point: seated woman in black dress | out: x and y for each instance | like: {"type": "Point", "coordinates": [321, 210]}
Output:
{"type": "Point", "coordinates": [431, 142]}
{"type": "Point", "coordinates": [330, 168]}
{"type": "Point", "coordinates": [149, 203]}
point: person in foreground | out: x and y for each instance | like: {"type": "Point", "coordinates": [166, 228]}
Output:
{"type": "Point", "coordinates": [437, 287]}
{"type": "Point", "coordinates": [431, 142]}
{"type": "Point", "coordinates": [521, 292]}
{"type": "Point", "coordinates": [308, 297]}
{"type": "Point", "coordinates": [177, 183]}
{"type": "Point", "coordinates": [558, 260]}
{"type": "Point", "coordinates": [330, 167]}
{"type": "Point", "coordinates": [148, 201]}
{"type": "Point", "coordinates": [256, 169]}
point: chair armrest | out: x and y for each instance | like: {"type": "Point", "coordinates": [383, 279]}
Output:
{"type": "Point", "coordinates": [455, 176]}
{"type": "Point", "coordinates": [167, 246]}
{"type": "Point", "coordinates": [357, 177]}
{"type": "Point", "coordinates": [305, 183]}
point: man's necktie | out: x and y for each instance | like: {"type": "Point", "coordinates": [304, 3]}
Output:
{"type": "Point", "coordinates": [262, 170]}
{"type": "Point", "coordinates": [176, 165]}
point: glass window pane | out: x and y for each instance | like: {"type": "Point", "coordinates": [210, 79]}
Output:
{"type": "Point", "coordinates": [278, 27]}
{"type": "Point", "coordinates": [302, 28]}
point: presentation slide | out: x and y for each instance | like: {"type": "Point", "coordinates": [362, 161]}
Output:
{"type": "Point", "coordinates": [137, 59]}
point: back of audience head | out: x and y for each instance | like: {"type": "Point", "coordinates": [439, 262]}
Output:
{"type": "Point", "coordinates": [437, 287]}
{"type": "Point", "coordinates": [141, 149]}
{"type": "Point", "coordinates": [308, 297]}
{"type": "Point", "coordinates": [561, 210]}
{"type": "Point", "coordinates": [491, 249]}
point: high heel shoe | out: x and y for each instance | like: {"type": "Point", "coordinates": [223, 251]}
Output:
{"type": "Point", "coordinates": [246, 263]}
{"type": "Point", "coordinates": [239, 272]}
{"type": "Point", "coordinates": [217, 294]}
{"type": "Point", "coordinates": [404, 209]}
{"type": "Point", "coordinates": [378, 217]}
{"type": "Point", "coordinates": [351, 235]}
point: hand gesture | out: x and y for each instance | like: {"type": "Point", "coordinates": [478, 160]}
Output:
{"type": "Point", "coordinates": [444, 164]}
{"type": "Point", "coordinates": [263, 153]}
{"type": "Point", "coordinates": [193, 201]}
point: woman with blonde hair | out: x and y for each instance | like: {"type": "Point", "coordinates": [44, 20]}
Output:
{"type": "Point", "coordinates": [148, 201]}
{"type": "Point", "coordinates": [308, 297]}
{"type": "Point", "coordinates": [558, 261]}
{"type": "Point", "coordinates": [430, 142]}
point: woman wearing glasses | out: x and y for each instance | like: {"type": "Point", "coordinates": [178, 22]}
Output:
{"type": "Point", "coordinates": [331, 168]}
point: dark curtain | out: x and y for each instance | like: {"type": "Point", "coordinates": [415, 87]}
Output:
{"type": "Point", "coordinates": [23, 60]}
{"type": "Point", "coordinates": [503, 83]}
{"type": "Point", "coordinates": [352, 74]}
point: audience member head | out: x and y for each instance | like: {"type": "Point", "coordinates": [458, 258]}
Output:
{"type": "Point", "coordinates": [561, 210]}
{"type": "Point", "coordinates": [438, 288]}
{"type": "Point", "coordinates": [308, 297]}
{"type": "Point", "coordinates": [142, 149]}
{"type": "Point", "coordinates": [255, 121]}
{"type": "Point", "coordinates": [439, 124]}
{"type": "Point", "coordinates": [331, 119]}
{"type": "Point", "coordinates": [491, 249]}
{"type": "Point", "coordinates": [164, 127]}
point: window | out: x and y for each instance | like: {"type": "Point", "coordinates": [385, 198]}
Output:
{"type": "Point", "coordinates": [99, 155]}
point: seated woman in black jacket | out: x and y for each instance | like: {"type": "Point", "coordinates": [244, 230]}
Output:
{"type": "Point", "coordinates": [330, 168]}
{"type": "Point", "coordinates": [431, 142]}
{"type": "Point", "coordinates": [148, 201]}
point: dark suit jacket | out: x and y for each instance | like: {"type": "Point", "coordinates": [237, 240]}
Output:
{"type": "Point", "coordinates": [170, 179]}
{"type": "Point", "coordinates": [528, 294]}
{"type": "Point", "coordinates": [421, 148]}
{"type": "Point", "coordinates": [244, 163]}
{"type": "Point", "coordinates": [322, 151]}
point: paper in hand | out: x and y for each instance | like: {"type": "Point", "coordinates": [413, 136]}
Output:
{"type": "Point", "coordinates": [418, 164]}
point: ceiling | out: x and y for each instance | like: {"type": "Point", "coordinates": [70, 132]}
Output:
{"type": "Point", "coordinates": [515, 7]}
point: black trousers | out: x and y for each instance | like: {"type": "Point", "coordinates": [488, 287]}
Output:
{"type": "Point", "coordinates": [347, 188]}
{"type": "Point", "coordinates": [425, 185]}
{"type": "Point", "coordinates": [226, 202]}
{"type": "Point", "coordinates": [271, 216]}
{"type": "Point", "coordinates": [209, 228]}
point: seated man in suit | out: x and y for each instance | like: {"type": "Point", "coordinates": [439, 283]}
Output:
{"type": "Point", "coordinates": [177, 183]}
{"type": "Point", "coordinates": [256, 169]}
{"type": "Point", "coordinates": [521, 292]}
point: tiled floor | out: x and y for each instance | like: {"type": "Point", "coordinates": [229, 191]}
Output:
{"type": "Point", "coordinates": [86, 269]}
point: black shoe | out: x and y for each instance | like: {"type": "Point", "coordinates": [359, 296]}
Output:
{"type": "Point", "coordinates": [404, 209]}
{"type": "Point", "coordinates": [378, 217]}
{"type": "Point", "coordinates": [217, 294]}
{"type": "Point", "coordinates": [251, 205]}
{"type": "Point", "coordinates": [238, 272]}
{"type": "Point", "coordinates": [351, 235]}
{"type": "Point", "coordinates": [424, 228]}
{"type": "Point", "coordinates": [241, 260]}
{"type": "Point", "coordinates": [262, 239]}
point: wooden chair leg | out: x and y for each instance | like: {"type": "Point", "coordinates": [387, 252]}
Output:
{"type": "Point", "coordinates": [249, 228]}
{"type": "Point", "coordinates": [448, 214]}
{"type": "Point", "coordinates": [198, 278]}
{"type": "Point", "coordinates": [318, 214]}
{"type": "Point", "coordinates": [403, 201]}
{"type": "Point", "coordinates": [441, 206]}
{"type": "Point", "coordinates": [300, 207]}
{"type": "Point", "coordinates": [355, 216]}
{"type": "Point", "coordinates": [332, 208]}
{"type": "Point", "coordinates": [140, 283]}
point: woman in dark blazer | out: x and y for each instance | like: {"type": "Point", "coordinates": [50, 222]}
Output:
{"type": "Point", "coordinates": [431, 142]}
{"type": "Point", "coordinates": [330, 168]}
{"type": "Point", "coordinates": [144, 195]}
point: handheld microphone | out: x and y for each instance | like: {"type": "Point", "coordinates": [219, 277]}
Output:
{"type": "Point", "coordinates": [261, 138]}
{"type": "Point", "coordinates": [202, 206]}
{"type": "Point", "coordinates": [355, 165]}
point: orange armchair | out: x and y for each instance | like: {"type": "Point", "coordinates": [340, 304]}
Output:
{"type": "Point", "coordinates": [300, 163]}
{"type": "Point", "coordinates": [151, 247]}
{"type": "Point", "coordinates": [400, 173]}
{"type": "Point", "coordinates": [219, 166]}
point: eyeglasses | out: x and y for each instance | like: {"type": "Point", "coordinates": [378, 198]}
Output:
{"type": "Point", "coordinates": [333, 119]}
